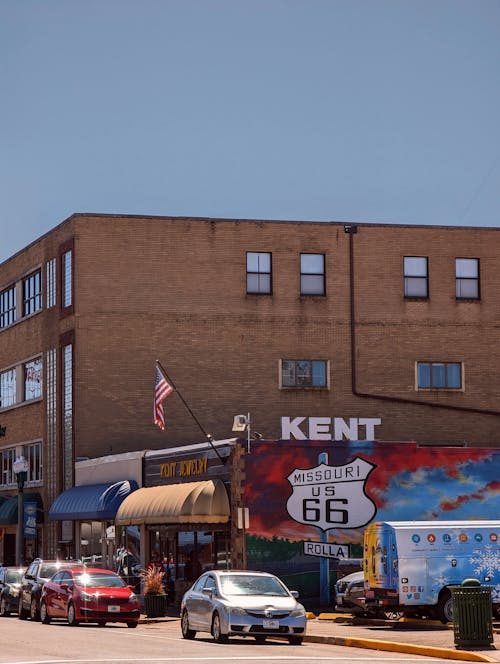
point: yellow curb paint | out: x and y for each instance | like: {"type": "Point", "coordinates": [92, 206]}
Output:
{"type": "Point", "coordinates": [310, 616]}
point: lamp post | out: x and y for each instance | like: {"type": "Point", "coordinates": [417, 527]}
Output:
{"type": "Point", "coordinates": [20, 468]}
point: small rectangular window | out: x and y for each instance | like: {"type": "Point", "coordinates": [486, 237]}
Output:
{"type": "Point", "coordinates": [312, 274]}
{"type": "Point", "coordinates": [467, 278]}
{"type": "Point", "coordinates": [259, 274]}
{"type": "Point", "coordinates": [7, 388]}
{"type": "Point", "coordinates": [67, 279]}
{"type": "Point", "coordinates": [416, 278]}
{"type": "Point", "coordinates": [50, 279]}
{"type": "Point", "coordinates": [8, 307]}
{"type": "Point", "coordinates": [7, 459]}
{"type": "Point", "coordinates": [33, 379]}
{"type": "Point", "coordinates": [304, 373]}
{"type": "Point", "coordinates": [439, 375]}
{"type": "Point", "coordinates": [32, 293]}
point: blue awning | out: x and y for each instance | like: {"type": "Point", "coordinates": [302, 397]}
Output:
{"type": "Point", "coordinates": [91, 501]}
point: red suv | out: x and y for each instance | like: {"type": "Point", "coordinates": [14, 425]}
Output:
{"type": "Point", "coordinates": [87, 594]}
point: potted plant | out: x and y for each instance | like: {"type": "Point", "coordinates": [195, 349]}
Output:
{"type": "Point", "coordinates": [155, 598]}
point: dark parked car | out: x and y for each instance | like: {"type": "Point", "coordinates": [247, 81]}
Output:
{"type": "Point", "coordinates": [34, 578]}
{"type": "Point", "coordinates": [10, 583]}
{"type": "Point", "coordinates": [88, 594]}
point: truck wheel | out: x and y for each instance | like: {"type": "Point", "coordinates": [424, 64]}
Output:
{"type": "Point", "coordinates": [445, 607]}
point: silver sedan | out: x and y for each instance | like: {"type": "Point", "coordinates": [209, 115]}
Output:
{"type": "Point", "coordinates": [232, 603]}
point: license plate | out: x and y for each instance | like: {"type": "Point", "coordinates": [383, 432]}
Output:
{"type": "Point", "coordinates": [113, 608]}
{"type": "Point", "coordinates": [270, 624]}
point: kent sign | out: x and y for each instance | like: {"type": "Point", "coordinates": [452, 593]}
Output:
{"type": "Point", "coordinates": [329, 428]}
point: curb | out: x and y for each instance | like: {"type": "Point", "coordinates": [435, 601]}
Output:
{"type": "Point", "coordinates": [394, 646]}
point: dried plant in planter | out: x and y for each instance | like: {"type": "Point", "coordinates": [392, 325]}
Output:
{"type": "Point", "coordinates": [153, 581]}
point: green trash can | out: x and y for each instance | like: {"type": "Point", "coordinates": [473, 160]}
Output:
{"type": "Point", "coordinates": [472, 615]}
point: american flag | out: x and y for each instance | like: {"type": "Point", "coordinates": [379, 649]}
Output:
{"type": "Point", "coordinates": [162, 390]}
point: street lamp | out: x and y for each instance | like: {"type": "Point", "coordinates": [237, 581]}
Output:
{"type": "Point", "coordinates": [20, 468]}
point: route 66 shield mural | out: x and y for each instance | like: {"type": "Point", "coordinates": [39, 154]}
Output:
{"type": "Point", "coordinates": [329, 497]}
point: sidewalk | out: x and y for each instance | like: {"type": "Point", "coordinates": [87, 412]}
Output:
{"type": "Point", "coordinates": [411, 637]}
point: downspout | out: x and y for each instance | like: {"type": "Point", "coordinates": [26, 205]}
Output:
{"type": "Point", "coordinates": [351, 231]}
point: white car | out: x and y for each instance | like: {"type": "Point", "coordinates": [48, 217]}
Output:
{"type": "Point", "coordinates": [242, 603]}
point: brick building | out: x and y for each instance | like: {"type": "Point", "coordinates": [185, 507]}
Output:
{"type": "Point", "coordinates": [318, 330]}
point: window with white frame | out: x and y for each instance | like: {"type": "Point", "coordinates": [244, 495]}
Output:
{"type": "Point", "coordinates": [467, 278]}
{"type": "Point", "coordinates": [416, 277]}
{"type": "Point", "coordinates": [312, 274]}
{"type": "Point", "coordinates": [32, 453]}
{"type": "Point", "coordinates": [439, 375]}
{"type": "Point", "coordinates": [50, 279]}
{"type": "Point", "coordinates": [8, 306]}
{"type": "Point", "coordinates": [33, 379]}
{"type": "Point", "coordinates": [7, 459]}
{"type": "Point", "coordinates": [7, 388]}
{"type": "Point", "coordinates": [259, 275]}
{"type": "Point", "coordinates": [32, 293]}
{"type": "Point", "coordinates": [67, 279]}
{"type": "Point", "coordinates": [304, 373]}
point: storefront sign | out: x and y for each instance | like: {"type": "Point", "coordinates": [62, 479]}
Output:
{"type": "Point", "coordinates": [29, 520]}
{"type": "Point", "coordinates": [329, 428]}
{"type": "Point", "coordinates": [184, 467]}
{"type": "Point", "coordinates": [331, 497]}
{"type": "Point", "coordinates": [326, 550]}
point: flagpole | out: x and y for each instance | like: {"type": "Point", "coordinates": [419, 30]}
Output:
{"type": "Point", "coordinates": [208, 436]}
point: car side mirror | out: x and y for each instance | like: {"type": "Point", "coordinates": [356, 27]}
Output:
{"type": "Point", "coordinates": [294, 593]}
{"type": "Point", "coordinates": [64, 586]}
{"type": "Point", "coordinates": [131, 588]}
{"type": "Point", "coordinates": [207, 591]}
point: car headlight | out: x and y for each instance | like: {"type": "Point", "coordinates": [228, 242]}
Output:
{"type": "Point", "coordinates": [298, 612]}
{"type": "Point", "coordinates": [133, 597]}
{"type": "Point", "coordinates": [14, 591]}
{"type": "Point", "coordinates": [87, 597]}
{"type": "Point", "coordinates": [237, 611]}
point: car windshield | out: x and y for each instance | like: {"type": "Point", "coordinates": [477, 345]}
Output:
{"type": "Point", "coordinates": [248, 584]}
{"type": "Point", "coordinates": [97, 580]}
{"type": "Point", "coordinates": [48, 571]}
{"type": "Point", "coordinates": [13, 577]}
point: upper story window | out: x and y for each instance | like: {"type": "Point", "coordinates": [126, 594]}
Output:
{"type": "Point", "coordinates": [304, 373]}
{"type": "Point", "coordinates": [32, 454]}
{"type": "Point", "coordinates": [32, 293]}
{"type": "Point", "coordinates": [439, 375]}
{"type": "Point", "coordinates": [7, 388]}
{"type": "Point", "coordinates": [33, 379]}
{"type": "Point", "coordinates": [467, 278]}
{"type": "Point", "coordinates": [312, 274]}
{"type": "Point", "coordinates": [67, 278]}
{"type": "Point", "coordinates": [50, 279]}
{"type": "Point", "coordinates": [416, 276]}
{"type": "Point", "coordinates": [259, 274]}
{"type": "Point", "coordinates": [8, 306]}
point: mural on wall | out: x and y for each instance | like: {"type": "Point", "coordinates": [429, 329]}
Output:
{"type": "Point", "coordinates": [299, 491]}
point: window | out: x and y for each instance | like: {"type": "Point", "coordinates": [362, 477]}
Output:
{"type": "Point", "coordinates": [416, 276]}
{"type": "Point", "coordinates": [304, 373]}
{"type": "Point", "coordinates": [50, 279]}
{"type": "Point", "coordinates": [312, 274]}
{"type": "Point", "coordinates": [33, 379]}
{"type": "Point", "coordinates": [33, 454]}
{"type": "Point", "coordinates": [439, 375]}
{"type": "Point", "coordinates": [67, 414]}
{"type": "Point", "coordinates": [7, 459]}
{"type": "Point", "coordinates": [259, 273]}
{"type": "Point", "coordinates": [467, 278]}
{"type": "Point", "coordinates": [67, 279]}
{"type": "Point", "coordinates": [7, 388]}
{"type": "Point", "coordinates": [8, 307]}
{"type": "Point", "coordinates": [32, 293]}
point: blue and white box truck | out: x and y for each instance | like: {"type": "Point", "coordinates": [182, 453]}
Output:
{"type": "Point", "coordinates": [409, 566]}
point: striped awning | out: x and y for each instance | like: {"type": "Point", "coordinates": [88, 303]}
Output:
{"type": "Point", "coordinates": [191, 502]}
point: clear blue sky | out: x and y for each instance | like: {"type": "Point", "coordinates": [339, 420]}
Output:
{"type": "Point", "coordinates": [346, 110]}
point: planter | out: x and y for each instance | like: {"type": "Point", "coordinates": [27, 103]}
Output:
{"type": "Point", "coordinates": [155, 606]}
